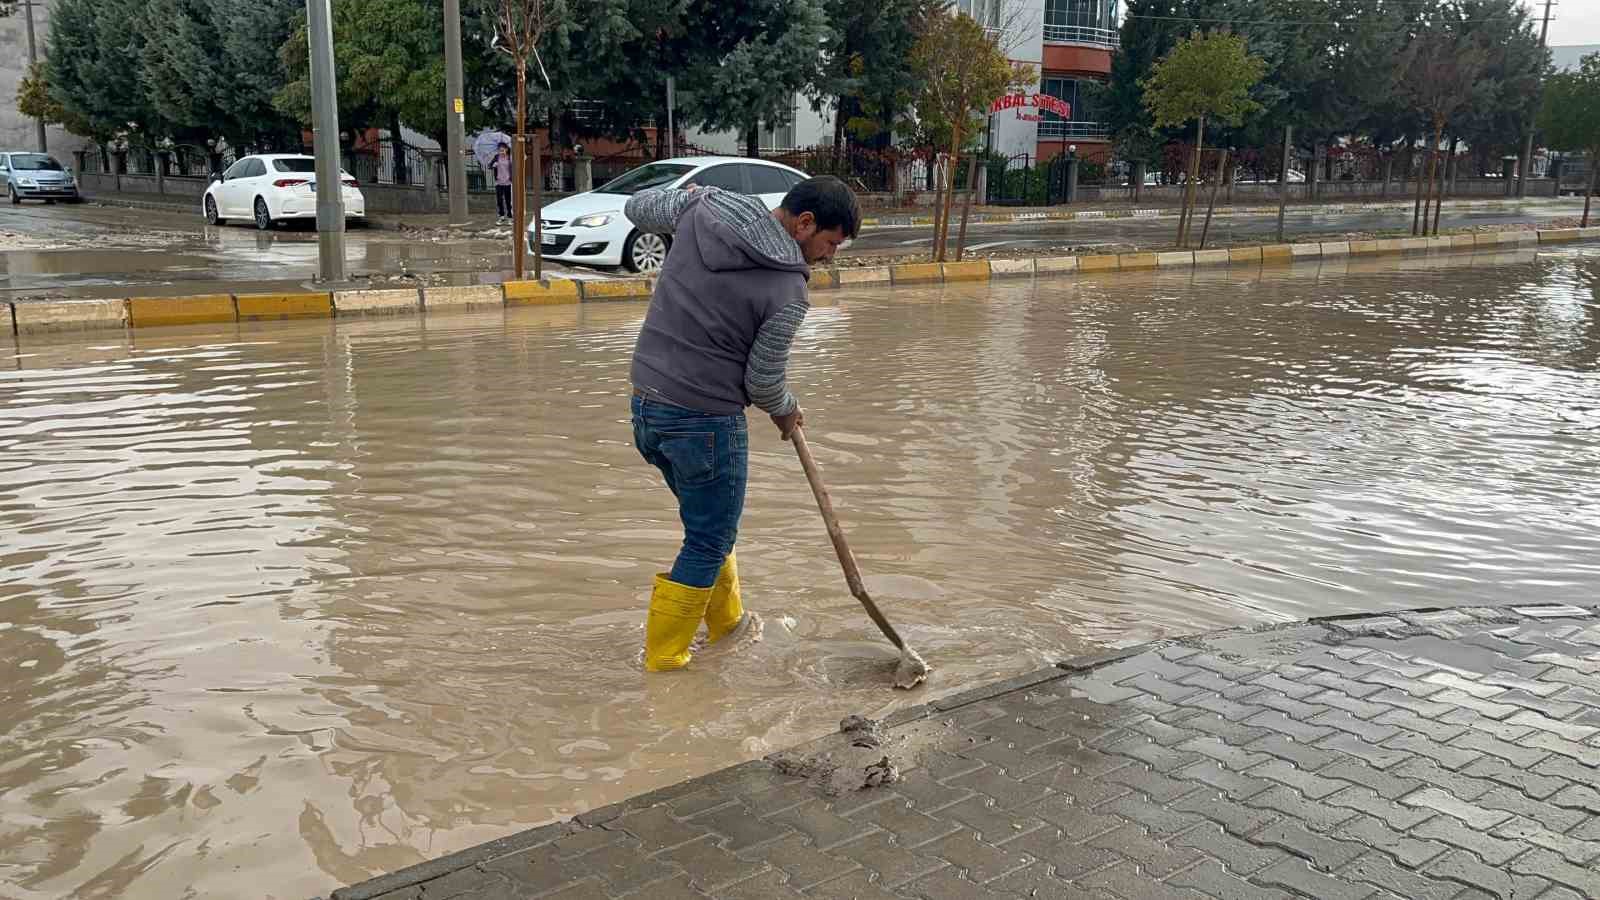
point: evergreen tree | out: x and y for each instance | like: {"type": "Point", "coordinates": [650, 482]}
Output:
{"type": "Point", "coordinates": [777, 56]}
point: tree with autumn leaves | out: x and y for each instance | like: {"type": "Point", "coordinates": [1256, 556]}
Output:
{"type": "Point", "coordinates": [962, 69]}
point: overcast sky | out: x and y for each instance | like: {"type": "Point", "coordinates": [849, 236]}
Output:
{"type": "Point", "coordinates": [1571, 21]}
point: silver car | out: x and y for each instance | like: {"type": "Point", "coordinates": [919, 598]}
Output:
{"type": "Point", "coordinates": [36, 176]}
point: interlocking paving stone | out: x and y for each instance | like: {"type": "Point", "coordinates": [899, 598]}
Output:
{"type": "Point", "coordinates": [1380, 871]}
{"type": "Point", "coordinates": [1460, 763]}
{"type": "Point", "coordinates": [804, 864]}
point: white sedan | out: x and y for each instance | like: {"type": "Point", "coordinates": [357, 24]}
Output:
{"type": "Point", "coordinates": [271, 188]}
{"type": "Point", "coordinates": [589, 228]}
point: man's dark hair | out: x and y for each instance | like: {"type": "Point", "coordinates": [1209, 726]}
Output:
{"type": "Point", "coordinates": [828, 200]}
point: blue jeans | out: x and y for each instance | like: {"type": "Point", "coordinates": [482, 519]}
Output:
{"type": "Point", "coordinates": [705, 459]}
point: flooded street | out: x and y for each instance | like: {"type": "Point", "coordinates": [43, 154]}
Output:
{"type": "Point", "coordinates": [286, 606]}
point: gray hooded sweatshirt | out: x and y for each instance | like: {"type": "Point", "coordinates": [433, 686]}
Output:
{"type": "Point", "coordinates": [727, 304]}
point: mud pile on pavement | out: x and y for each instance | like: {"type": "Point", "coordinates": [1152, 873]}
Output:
{"type": "Point", "coordinates": [863, 754]}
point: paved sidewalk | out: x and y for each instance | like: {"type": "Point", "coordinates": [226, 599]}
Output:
{"type": "Point", "coordinates": [1447, 754]}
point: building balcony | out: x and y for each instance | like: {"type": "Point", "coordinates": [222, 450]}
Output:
{"type": "Point", "coordinates": [1106, 38]}
{"type": "Point", "coordinates": [1060, 131]}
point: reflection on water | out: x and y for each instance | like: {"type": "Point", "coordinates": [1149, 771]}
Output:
{"type": "Point", "coordinates": [292, 605]}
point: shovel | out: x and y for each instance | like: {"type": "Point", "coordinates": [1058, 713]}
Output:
{"type": "Point", "coordinates": [912, 670]}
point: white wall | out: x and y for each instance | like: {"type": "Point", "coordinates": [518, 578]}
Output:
{"type": "Point", "coordinates": [1024, 41]}
{"type": "Point", "coordinates": [17, 132]}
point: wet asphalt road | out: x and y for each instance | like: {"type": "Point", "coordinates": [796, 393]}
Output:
{"type": "Point", "coordinates": [88, 250]}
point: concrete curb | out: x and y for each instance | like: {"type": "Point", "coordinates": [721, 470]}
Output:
{"type": "Point", "coordinates": [40, 317]}
{"type": "Point", "coordinates": [1323, 630]}
{"type": "Point", "coordinates": [1162, 212]}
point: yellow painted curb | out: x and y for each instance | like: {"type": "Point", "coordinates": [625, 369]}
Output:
{"type": "Point", "coordinates": [1363, 248]}
{"type": "Point", "coordinates": [1556, 235]}
{"type": "Point", "coordinates": [1128, 261]}
{"type": "Point", "coordinates": [1488, 239]}
{"type": "Point", "coordinates": [1298, 252]}
{"type": "Point", "coordinates": [1211, 257]}
{"type": "Point", "coordinates": [916, 273]}
{"type": "Point", "coordinates": [1173, 258]}
{"type": "Point", "coordinates": [1010, 268]}
{"type": "Point", "coordinates": [864, 275]}
{"type": "Point", "coordinates": [1055, 265]}
{"type": "Point", "coordinates": [550, 292]}
{"type": "Point", "coordinates": [147, 312]}
{"type": "Point", "coordinates": [822, 279]}
{"type": "Point", "coordinates": [1463, 240]}
{"type": "Point", "coordinates": [1244, 255]}
{"type": "Point", "coordinates": [622, 289]}
{"type": "Point", "coordinates": [1335, 248]}
{"type": "Point", "coordinates": [1415, 245]}
{"type": "Point", "coordinates": [285, 306]}
{"type": "Point", "coordinates": [1105, 262]}
{"type": "Point", "coordinates": [69, 315]}
{"type": "Point", "coordinates": [977, 270]}
{"type": "Point", "coordinates": [386, 302]}
{"type": "Point", "coordinates": [1589, 233]}
{"type": "Point", "coordinates": [1277, 253]}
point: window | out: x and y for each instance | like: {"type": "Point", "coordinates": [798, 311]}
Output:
{"type": "Point", "coordinates": [768, 180]}
{"type": "Point", "coordinates": [1081, 21]}
{"type": "Point", "coordinates": [237, 169]}
{"type": "Point", "coordinates": [34, 162]}
{"type": "Point", "coordinates": [728, 177]}
{"type": "Point", "coordinates": [298, 166]}
{"type": "Point", "coordinates": [644, 178]}
{"type": "Point", "coordinates": [1084, 121]}
{"type": "Point", "coordinates": [3, 164]}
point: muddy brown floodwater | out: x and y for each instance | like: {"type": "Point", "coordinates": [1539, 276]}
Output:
{"type": "Point", "coordinates": [286, 606]}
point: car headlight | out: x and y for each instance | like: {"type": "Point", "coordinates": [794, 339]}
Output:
{"type": "Point", "coordinates": [26, 182]}
{"type": "Point", "coordinates": [592, 221]}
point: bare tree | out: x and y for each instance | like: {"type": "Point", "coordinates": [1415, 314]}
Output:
{"type": "Point", "coordinates": [1439, 71]}
{"type": "Point", "coordinates": [521, 25]}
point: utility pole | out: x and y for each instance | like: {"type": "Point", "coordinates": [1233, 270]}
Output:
{"type": "Point", "coordinates": [1527, 143]}
{"type": "Point", "coordinates": [455, 164]}
{"type": "Point", "coordinates": [325, 142]}
{"type": "Point", "coordinates": [33, 60]}
{"type": "Point", "coordinates": [672, 149]}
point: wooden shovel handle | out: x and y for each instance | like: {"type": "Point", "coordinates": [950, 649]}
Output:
{"type": "Point", "coordinates": [847, 560]}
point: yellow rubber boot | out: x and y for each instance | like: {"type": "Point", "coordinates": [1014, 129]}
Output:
{"type": "Point", "coordinates": [725, 610]}
{"type": "Point", "coordinates": [675, 613]}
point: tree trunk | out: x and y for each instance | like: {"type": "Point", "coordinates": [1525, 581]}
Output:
{"type": "Point", "coordinates": [949, 193]}
{"type": "Point", "coordinates": [519, 177]}
{"type": "Point", "coordinates": [538, 203]}
{"type": "Point", "coordinates": [1186, 213]}
{"type": "Point", "coordinates": [1222, 166]}
{"type": "Point", "coordinates": [397, 145]}
{"type": "Point", "coordinates": [966, 203]}
{"type": "Point", "coordinates": [661, 138]}
{"type": "Point", "coordinates": [838, 129]}
{"type": "Point", "coordinates": [1388, 173]}
{"type": "Point", "coordinates": [752, 141]}
{"type": "Point", "coordinates": [1588, 195]}
{"type": "Point", "coordinates": [937, 184]}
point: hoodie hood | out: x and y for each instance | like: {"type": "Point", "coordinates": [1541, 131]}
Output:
{"type": "Point", "coordinates": [738, 232]}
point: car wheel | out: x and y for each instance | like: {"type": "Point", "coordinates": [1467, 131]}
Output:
{"type": "Point", "coordinates": [12, 190]}
{"type": "Point", "coordinates": [644, 252]}
{"type": "Point", "coordinates": [211, 211]}
{"type": "Point", "coordinates": [263, 215]}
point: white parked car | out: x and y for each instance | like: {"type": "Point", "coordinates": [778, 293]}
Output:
{"type": "Point", "coordinates": [589, 228]}
{"type": "Point", "coordinates": [271, 188]}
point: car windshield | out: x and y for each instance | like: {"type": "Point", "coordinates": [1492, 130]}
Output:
{"type": "Point", "coordinates": [295, 165]}
{"type": "Point", "coordinates": [645, 177]}
{"type": "Point", "coordinates": [34, 162]}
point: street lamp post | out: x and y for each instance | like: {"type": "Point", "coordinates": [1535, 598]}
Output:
{"type": "Point", "coordinates": [325, 142]}
{"type": "Point", "coordinates": [455, 163]}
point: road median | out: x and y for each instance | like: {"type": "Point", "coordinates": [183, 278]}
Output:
{"type": "Point", "coordinates": [42, 317]}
